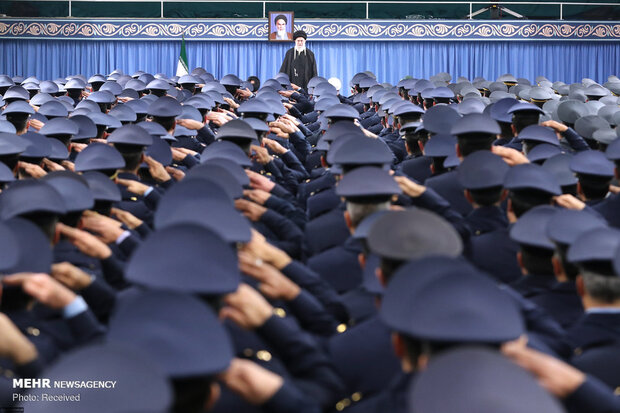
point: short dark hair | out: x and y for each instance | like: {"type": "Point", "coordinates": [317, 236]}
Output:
{"type": "Point", "coordinates": [523, 200]}
{"type": "Point", "coordinates": [472, 142]}
{"type": "Point", "coordinates": [244, 144]}
{"type": "Point", "coordinates": [102, 207]}
{"type": "Point", "coordinates": [486, 196]}
{"type": "Point", "coordinates": [570, 269]}
{"type": "Point", "coordinates": [409, 117]}
{"type": "Point", "coordinates": [132, 154]}
{"type": "Point", "coordinates": [167, 122]}
{"type": "Point", "coordinates": [191, 394]}
{"type": "Point", "coordinates": [411, 140]}
{"type": "Point", "coordinates": [389, 266]}
{"type": "Point", "coordinates": [537, 260]}
{"type": "Point", "coordinates": [280, 17]}
{"type": "Point", "coordinates": [506, 129]}
{"type": "Point", "coordinates": [19, 120]}
{"type": "Point", "coordinates": [437, 162]}
{"type": "Point", "coordinates": [599, 267]}
{"type": "Point", "coordinates": [525, 118]}
{"type": "Point", "coordinates": [255, 81]}
{"type": "Point", "coordinates": [593, 186]}
{"type": "Point", "coordinates": [10, 160]}
{"type": "Point", "coordinates": [569, 189]}
{"type": "Point", "coordinates": [71, 219]}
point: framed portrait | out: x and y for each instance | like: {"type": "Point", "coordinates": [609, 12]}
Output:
{"type": "Point", "coordinates": [281, 26]}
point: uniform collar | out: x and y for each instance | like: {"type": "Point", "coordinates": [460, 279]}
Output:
{"type": "Point", "coordinates": [603, 310]}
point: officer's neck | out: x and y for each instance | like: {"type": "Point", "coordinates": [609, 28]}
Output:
{"type": "Point", "coordinates": [130, 171]}
{"type": "Point", "coordinates": [590, 302]}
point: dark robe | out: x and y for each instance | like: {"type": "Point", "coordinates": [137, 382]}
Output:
{"type": "Point", "coordinates": [301, 69]}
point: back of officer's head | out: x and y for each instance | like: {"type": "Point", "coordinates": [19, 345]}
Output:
{"type": "Point", "coordinates": [399, 236]}
{"type": "Point", "coordinates": [530, 185]}
{"type": "Point", "coordinates": [474, 132]}
{"type": "Point", "coordinates": [601, 287]}
{"type": "Point", "coordinates": [437, 303]}
{"type": "Point", "coordinates": [523, 119]}
{"type": "Point", "coordinates": [595, 253]}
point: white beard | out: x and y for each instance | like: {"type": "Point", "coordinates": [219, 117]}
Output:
{"type": "Point", "coordinates": [299, 49]}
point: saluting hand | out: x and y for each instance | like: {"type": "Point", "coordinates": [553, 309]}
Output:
{"type": "Point", "coordinates": [273, 283]}
{"type": "Point", "coordinates": [177, 174]}
{"type": "Point", "coordinates": [36, 124]}
{"type": "Point", "coordinates": [263, 250]}
{"type": "Point", "coordinates": [257, 195]}
{"type": "Point", "coordinates": [251, 210]}
{"type": "Point", "coordinates": [568, 201]}
{"type": "Point", "coordinates": [409, 187]}
{"type": "Point", "coordinates": [52, 166]}
{"type": "Point", "coordinates": [262, 155]}
{"type": "Point", "coordinates": [31, 169]}
{"type": "Point", "coordinates": [246, 307]}
{"type": "Point", "coordinates": [85, 242]}
{"type": "Point", "coordinates": [127, 218]}
{"type": "Point", "coordinates": [274, 146]}
{"type": "Point", "coordinates": [71, 276]}
{"type": "Point", "coordinates": [190, 124]}
{"type": "Point", "coordinates": [14, 344]}
{"type": "Point", "coordinates": [511, 156]}
{"type": "Point", "coordinates": [132, 186]}
{"type": "Point", "coordinates": [107, 229]}
{"type": "Point", "coordinates": [258, 181]}
{"type": "Point", "coordinates": [42, 288]}
{"type": "Point", "coordinates": [255, 384]}
{"type": "Point", "coordinates": [243, 93]}
{"type": "Point", "coordinates": [157, 170]}
{"type": "Point", "coordinates": [557, 377]}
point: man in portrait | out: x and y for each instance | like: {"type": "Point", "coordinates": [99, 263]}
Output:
{"type": "Point", "coordinates": [281, 33]}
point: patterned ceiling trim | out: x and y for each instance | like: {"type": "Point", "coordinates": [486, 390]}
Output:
{"type": "Point", "coordinates": [322, 30]}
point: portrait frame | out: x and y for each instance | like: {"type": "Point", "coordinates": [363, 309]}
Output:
{"type": "Point", "coordinates": [289, 18]}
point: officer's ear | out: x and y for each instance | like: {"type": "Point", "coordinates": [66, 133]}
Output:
{"type": "Point", "coordinates": [617, 173]}
{"type": "Point", "coordinates": [348, 221]}
{"type": "Point", "coordinates": [214, 396]}
{"type": "Point", "coordinates": [580, 193]}
{"type": "Point", "coordinates": [513, 129]}
{"type": "Point", "coordinates": [361, 258]}
{"type": "Point", "coordinates": [468, 196]}
{"type": "Point", "coordinates": [380, 276]}
{"type": "Point", "coordinates": [421, 145]}
{"type": "Point", "coordinates": [432, 167]}
{"type": "Point", "coordinates": [520, 262]}
{"type": "Point", "coordinates": [512, 217]}
{"type": "Point", "coordinates": [142, 158]}
{"type": "Point", "coordinates": [57, 235]}
{"type": "Point", "coordinates": [558, 269]}
{"type": "Point", "coordinates": [504, 195]}
{"type": "Point", "coordinates": [323, 162]}
{"type": "Point", "coordinates": [458, 151]}
{"type": "Point", "coordinates": [581, 289]}
{"type": "Point", "coordinates": [398, 343]}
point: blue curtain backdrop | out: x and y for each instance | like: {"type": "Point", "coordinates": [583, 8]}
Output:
{"type": "Point", "coordinates": [389, 60]}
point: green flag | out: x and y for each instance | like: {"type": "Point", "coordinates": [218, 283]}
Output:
{"type": "Point", "coordinates": [182, 68]}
